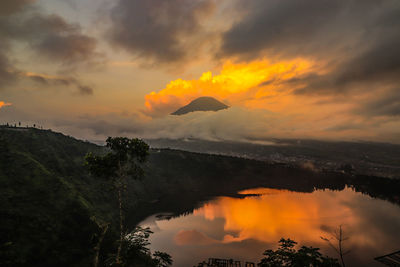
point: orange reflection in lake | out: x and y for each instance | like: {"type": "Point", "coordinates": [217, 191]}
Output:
{"type": "Point", "coordinates": [278, 213]}
{"type": "Point", "coordinates": [243, 228]}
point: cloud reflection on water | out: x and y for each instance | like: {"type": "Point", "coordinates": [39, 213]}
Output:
{"type": "Point", "coordinates": [242, 228]}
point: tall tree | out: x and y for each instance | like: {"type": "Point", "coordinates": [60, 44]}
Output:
{"type": "Point", "coordinates": [122, 162]}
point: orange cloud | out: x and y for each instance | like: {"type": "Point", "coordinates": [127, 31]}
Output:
{"type": "Point", "coordinates": [237, 84]}
{"type": "Point", "coordinates": [4, 104]}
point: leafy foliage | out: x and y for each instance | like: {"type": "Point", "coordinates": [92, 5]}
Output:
{"type": "Point", "coordinates": [162, 259]}
{"type": "Point", "coordinates": [125, 156]}
{"type": "Point", "coordinates": [287, 255]}
{"type": "Point", "coordinates": [135, 251]}
{"type": "Point", "coordinates": [102, 166]}
{"type": "Point", "coordinates": [138, 239]}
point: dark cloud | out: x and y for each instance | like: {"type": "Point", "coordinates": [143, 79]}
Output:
{"type": "Point", "coordinates": [303, 27]}
{"type": "Point", "coordinates": [359, 38]}
{"type": "Point", "coordinates": [157, 30]}
{"type": "Point", "coordinates": [8, 7]}
{"type": "Point", "coordinates": [8, 73]}
{"type": "Point", "coordinates": [384, 104]}
{"type": "Point", "coordinates": [68, 49]}
{"type": "Point", "coordinates": [51, 36]}
{"type": "Point", "coordinates": [373, 68]}
{"type": "Point", "coordinates": [63, 81]}
{"type": "Point", "coordinates": [278, 26]}
{"type": "Point", "coordinates": [379, 63]}
{"type": "Point", "coordinates": [85, 90]}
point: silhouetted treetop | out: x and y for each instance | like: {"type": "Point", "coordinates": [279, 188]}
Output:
{"type": "Point", "coordinates": [287, 255]}
{"type": "Point", "coordinates": [125, 157]}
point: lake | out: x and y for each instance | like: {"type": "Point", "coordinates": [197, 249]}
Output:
{"type": "Point", "coordinates": [243, 227]}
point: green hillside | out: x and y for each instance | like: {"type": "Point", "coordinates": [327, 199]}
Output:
{"type": "Point", "coordinates": [46, 199]}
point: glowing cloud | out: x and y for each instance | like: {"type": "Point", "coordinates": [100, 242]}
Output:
{"type": "Point", "coordinates": [4, 104]}
{"type": "Point", "coordinates": [237, 84]}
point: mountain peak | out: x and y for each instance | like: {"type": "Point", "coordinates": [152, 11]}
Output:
{"type": "Point", "coordinates": [204, 103]}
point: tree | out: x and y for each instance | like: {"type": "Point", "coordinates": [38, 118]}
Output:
{"type": "Point", "coordinates": [122, 162]}
{"type": "Point", "coordinates": [136, 253]}
{"type": "Point", "coordinates": [286, 255]}
{"type": "Point", "coordinates": [340, 238]}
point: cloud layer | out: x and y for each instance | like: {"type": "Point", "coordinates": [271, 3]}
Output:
{"type": "Point", "coordinates": [49, 36]}
{"type": "Point", "coordinates": [49, 80]}
{"type": "Point", "coordinates": [159, 31]}
{"type": "Point", "coordinates": [8, 7]}
{"type": "Point", "coordinates": [357, 39]}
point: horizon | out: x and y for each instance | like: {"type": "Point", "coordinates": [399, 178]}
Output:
{"type": "Point", "coordinates": [255, 142]}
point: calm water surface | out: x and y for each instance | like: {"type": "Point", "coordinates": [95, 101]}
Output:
{"type": "Point", "coordinates": [242, 228]}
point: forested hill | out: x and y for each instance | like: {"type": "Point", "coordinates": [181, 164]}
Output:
{"type": "Point", "coordinates": [51, 208]}
{"type": "Point", "coordinates": [46, 199]}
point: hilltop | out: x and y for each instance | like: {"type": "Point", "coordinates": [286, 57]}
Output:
{"type": "Point", "coordinates": [204, 103]}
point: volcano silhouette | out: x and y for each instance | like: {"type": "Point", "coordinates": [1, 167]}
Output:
{"type": "Point", "coordinates": [204, 103]}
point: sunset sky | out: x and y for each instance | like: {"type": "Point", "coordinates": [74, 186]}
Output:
{"type": "Point", "coordinates": [318, 69]}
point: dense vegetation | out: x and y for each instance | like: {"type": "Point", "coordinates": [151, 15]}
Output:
{"type": "Point", "coordinates": [287, 255]}
{"type": "Point", "coordinates": [46, 200]}
{"type": "Point", "coordinates": [53, 211]}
